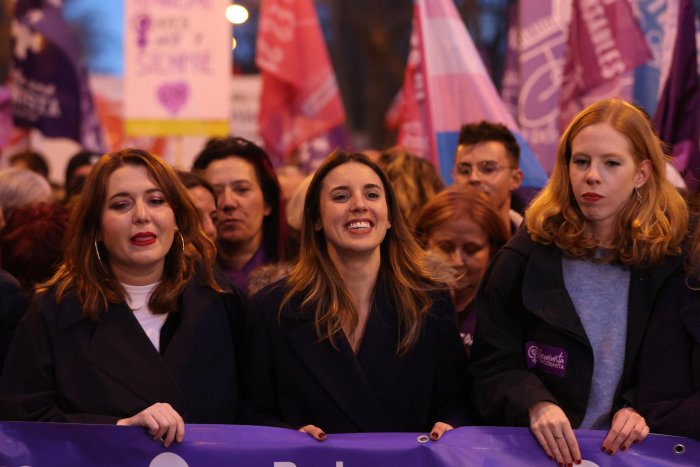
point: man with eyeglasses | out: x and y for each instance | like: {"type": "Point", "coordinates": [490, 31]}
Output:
{"type": "Point", "coordinates": [488, 158]}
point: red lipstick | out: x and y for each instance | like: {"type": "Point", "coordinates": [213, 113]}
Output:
{"type": "Point", "coordinates": [143, 239]}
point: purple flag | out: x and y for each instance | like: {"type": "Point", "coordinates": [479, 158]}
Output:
{"type": "Point", "coordinates": [605, 42]}
{"type": "Point", "coordinates": [676, 117]}
{"type": "Point", "coordinates": [47, 79]}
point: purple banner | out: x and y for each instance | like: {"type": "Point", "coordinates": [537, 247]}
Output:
{"type": "Point", "coordinates": [49, 444]}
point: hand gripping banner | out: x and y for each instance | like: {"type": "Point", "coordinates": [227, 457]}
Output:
{"type": "Point", "coordinates": [53, 444]}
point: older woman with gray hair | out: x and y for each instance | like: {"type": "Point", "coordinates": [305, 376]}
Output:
{"type": "Point", "coordinates": [20, 187]}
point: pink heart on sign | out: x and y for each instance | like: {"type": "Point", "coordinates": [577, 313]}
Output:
{"type": "Point", "coordinates": [173, 96]}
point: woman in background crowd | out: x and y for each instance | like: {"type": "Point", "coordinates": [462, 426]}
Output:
{"type": "Point", "coordinates": [77, 170]}
{"type": "Point", "coordinates": [204, 199]}
{"type": "Point", "coordinates": [361, 337]}
{"type": "Point", "coordinates": [461, 229]}
{"type": "Point", "coordinates": [133, 329]}
{"type": "Point", "coordinates": [31, 245]}
{"type": "Point", "coordinates": [576, 286]}
{"type": "Point", "coordinates": [21, 187]}
{"type": "Point", "coordinates": [414, 180]}
{"type": "Point", "coordinates": [250, 224]}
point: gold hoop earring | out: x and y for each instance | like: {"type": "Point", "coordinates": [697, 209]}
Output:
{"type": "Point", "coordinates": [99, 258]}
{"type": "Point", "coordinates": [638, 194]}
{"type": "Point", "coordinates": [182, 240]}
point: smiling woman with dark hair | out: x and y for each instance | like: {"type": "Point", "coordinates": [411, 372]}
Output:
{"type": "Point", "coordinates": [361, 337]}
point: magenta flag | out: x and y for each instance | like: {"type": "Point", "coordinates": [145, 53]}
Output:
{"type": "Point", "coordinates": [604, 43]}
{"type": "Point", "coordinates": [445, 86]}
{"type": "Point", "coordinates": [676, 117]}
{"type": "Point", "coordinates": [300, 98]}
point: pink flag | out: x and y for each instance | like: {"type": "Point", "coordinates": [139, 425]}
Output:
{"type": "Point", "coordinates": [300, 98]}
{"type": "Point", "coordinates": [445, 86]}
{"type": "Point", "coordinates": [605, 42]}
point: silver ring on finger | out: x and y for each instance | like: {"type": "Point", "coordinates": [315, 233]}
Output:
{"type": "Point", "coordinates": [558, 437]}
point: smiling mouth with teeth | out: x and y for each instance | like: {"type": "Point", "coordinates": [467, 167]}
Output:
{"type": "Point", "coordinates": [360, 225]}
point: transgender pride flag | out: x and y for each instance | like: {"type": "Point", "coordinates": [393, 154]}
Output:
{"type": "Point", "coordinates": [446, 86]}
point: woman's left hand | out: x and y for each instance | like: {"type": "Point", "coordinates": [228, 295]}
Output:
{"type": "Point", "coordinates": [439, 429]}
{"type": "Point", "coordinates": [627, 427]}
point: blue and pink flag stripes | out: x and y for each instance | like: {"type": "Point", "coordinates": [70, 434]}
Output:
{"type": "Point", "coordinates": [446, 85]}
{"type": "Point", "coordinates": [676, 116]}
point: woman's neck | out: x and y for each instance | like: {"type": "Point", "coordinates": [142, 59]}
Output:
{"type": "Point", "coordinates": [359, 274]}
{"type": "Point", "coordinates": [602, 232]}
{"type": "Point", "coordinates": [236, 255]}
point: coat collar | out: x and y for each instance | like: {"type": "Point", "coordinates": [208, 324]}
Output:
{"type": "Point", "coordinates": [118, 345]}
{"type": "Point", "coordinates": [354, 383]}
{"type": "Point", "coordinates": [545, 295]}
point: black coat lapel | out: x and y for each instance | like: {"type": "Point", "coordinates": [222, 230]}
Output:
{"type": "Point", "coordinates": [644, 285]}
{"type": "Point", "coordinates": [551, 302]}
{"type": "Point", "coordinates": [338, 372]}
{"type": "Point", "coordinates": [121, 349]}
{"type": "Point", "coordinates": [378, 351]}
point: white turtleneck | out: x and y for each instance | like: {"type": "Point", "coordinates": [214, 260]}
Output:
{"type": "Point", "coordinates": [137, 297]}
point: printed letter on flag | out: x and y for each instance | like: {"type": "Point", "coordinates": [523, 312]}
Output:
{"type": "Point", "coordinates": [605, 42]}
{"type": "Point", "coordinates": [48, 81]}
{"type": "Point", "coordinates": [300, 98]}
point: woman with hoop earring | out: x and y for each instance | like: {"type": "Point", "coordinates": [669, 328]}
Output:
{"type": "Point", "coordinates": [133, 329]}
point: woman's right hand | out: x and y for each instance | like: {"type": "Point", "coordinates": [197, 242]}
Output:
{"type": "Point", "coordinates": [161, 421]}
{"type": "Point", "coordinates": [315, 432]}
{"type": "Point", "coordinates": [553, 431]}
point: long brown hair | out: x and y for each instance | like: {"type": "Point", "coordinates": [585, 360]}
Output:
{"type": "Point", "coordinates": [645, 231]}
{"type": "Point", "coordinates": [92, 279]}
{"type": "Point", "coordinates": [402, 267]}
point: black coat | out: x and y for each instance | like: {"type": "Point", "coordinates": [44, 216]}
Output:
{"type": "Point", "coordinates": [669, 380]}
{"type": "Point", "coordinates": [291, 378]}
{"type": "Point", "coordinates": [522, 303]}
{"type": "Point", "coordinates": [13, 304]}
{"type": "Point", "coordinates": [63, 368]}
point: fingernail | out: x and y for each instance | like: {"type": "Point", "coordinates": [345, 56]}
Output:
{"type": "Point", "coordinates": [322, 435]}
{"type": "Point", "coordinates": [578, 461]}
{"type": "Point", "coordinates": [434, 435]}
{"type": "Point", "coordinates": [623, 447]}
{"type": "Point", "coordinates": [610, 452]}
{"type": "Point", "coordinates": [569, 464]}
{"type": "Point", "coordinates": [561, 464]}
{"type": "Point", "coordinates": [550, 457]}
{"type": "Point", "coordinates": [603, 448]}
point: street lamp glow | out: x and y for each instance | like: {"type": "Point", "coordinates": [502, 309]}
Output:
{"type": "Point", "coordinates": [237, 14]}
